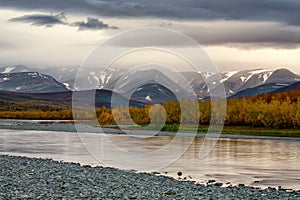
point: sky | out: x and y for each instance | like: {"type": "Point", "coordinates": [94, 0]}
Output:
{"type": "Point", "coordinates": [236, 34]}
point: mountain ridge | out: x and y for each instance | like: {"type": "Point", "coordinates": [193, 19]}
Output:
{"type": "Point", "coordinates": [29, 82]}
{"type": "Point", "coordinates": [203, 83]}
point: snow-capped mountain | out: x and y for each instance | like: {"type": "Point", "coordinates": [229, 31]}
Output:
{"type": "Point", "coordinates": [86, 78]}
{"type": "Point", "coordinates": [29, 82]}
{"type": "Point", "coordinates": [265, 82]}
{"type": "Point", "coordinates": [202, 82]}
{"type": "Point", "coordinates": [236, 81]}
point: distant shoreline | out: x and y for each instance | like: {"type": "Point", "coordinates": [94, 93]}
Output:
{"type": "Point", "coordinates": [228, 132]}
{"type": "Point", "coordinates": [232, 131]}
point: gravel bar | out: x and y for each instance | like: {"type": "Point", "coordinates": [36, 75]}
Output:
{"type": "Point", "coordinates": [35, 178]}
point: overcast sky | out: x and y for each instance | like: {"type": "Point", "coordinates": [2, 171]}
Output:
{"type": "Point", "coordinates": [236, 34]}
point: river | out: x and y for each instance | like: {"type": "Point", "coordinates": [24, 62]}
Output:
{"type": "Point", "coordinates": [254, 162]}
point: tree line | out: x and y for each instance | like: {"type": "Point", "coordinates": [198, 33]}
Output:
{"type": "Point", "coordinates": [274, 111]}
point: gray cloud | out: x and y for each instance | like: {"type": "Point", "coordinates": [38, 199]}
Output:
{"type": "Point", "coordinates": [51, 20]}
{"type": "Point", "coordinates": [257, 10]}
{"type": "Point", "coordinates": [284, 13]}
{"type": "Point", "coordinates": [248, 36]}
{"type": "Point", "coordinates": [92, 24]}
{"type": "Point", "coordinates": [41, 19]}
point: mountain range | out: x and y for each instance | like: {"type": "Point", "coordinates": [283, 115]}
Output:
{"type": "Point", "coordinates": [149, 86]}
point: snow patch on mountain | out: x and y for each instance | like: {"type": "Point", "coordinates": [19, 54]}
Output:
{"type": "Point", "coordinates": [282, 84]}
{"type": "Point", "coordinates": [267, 75]}
{"type": "Point", "coordinates": [207, 74]}
{"type": "Point", "coordinates": [67, 85]}
{"type": "Point", "coordinates": [228, 75]}
{"type": "Point", "coordinates": [243, 78]}
{"type": "Point", "coordinates": [8, 69]}
{"type": "Point", "coordinates": [33, 74]}
{"type": "Point", "coordinates": [264, 74]}
{"type": "Point", "coordinates": [148, 98]}
{"type": "Point", "coordinates": [259, 71]}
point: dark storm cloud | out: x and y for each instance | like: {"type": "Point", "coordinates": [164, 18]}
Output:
{"type": "Point", "coordinates": [283, 12]}
{"type": "Point", "coordinates": [92, 24]}
{"type": "Point", "coordinates": [286, 11]}
{"type": "Point", "coordinates": [41, 19]}
{"type": "Point", "coordinates": [51, 20]}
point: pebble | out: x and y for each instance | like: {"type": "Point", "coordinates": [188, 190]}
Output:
{"type": "Point", "coordinates": [34, 178]}
{"type": "Point", "coordinates": [179, 173]}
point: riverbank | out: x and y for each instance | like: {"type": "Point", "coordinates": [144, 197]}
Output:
{"type": "Point", "coordinates": [168, 130]}
{"type": "Point", "coordinates": [32, 178]}
{"type": "Point", "coordinates": [228, 130]}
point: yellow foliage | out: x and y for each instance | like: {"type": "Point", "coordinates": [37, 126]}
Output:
{"type": "Point", "coordinates": [262, 111]}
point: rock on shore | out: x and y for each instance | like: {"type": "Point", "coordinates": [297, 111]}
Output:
{"type": "Point", "coordinates": [32, 178]}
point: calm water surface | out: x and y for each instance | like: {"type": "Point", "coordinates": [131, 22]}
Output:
{"type": "Point", "coordinates": [254, 162]}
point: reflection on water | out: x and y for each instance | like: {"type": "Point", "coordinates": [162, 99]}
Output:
{"type": "Point", "coordinates": [248, 161]}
